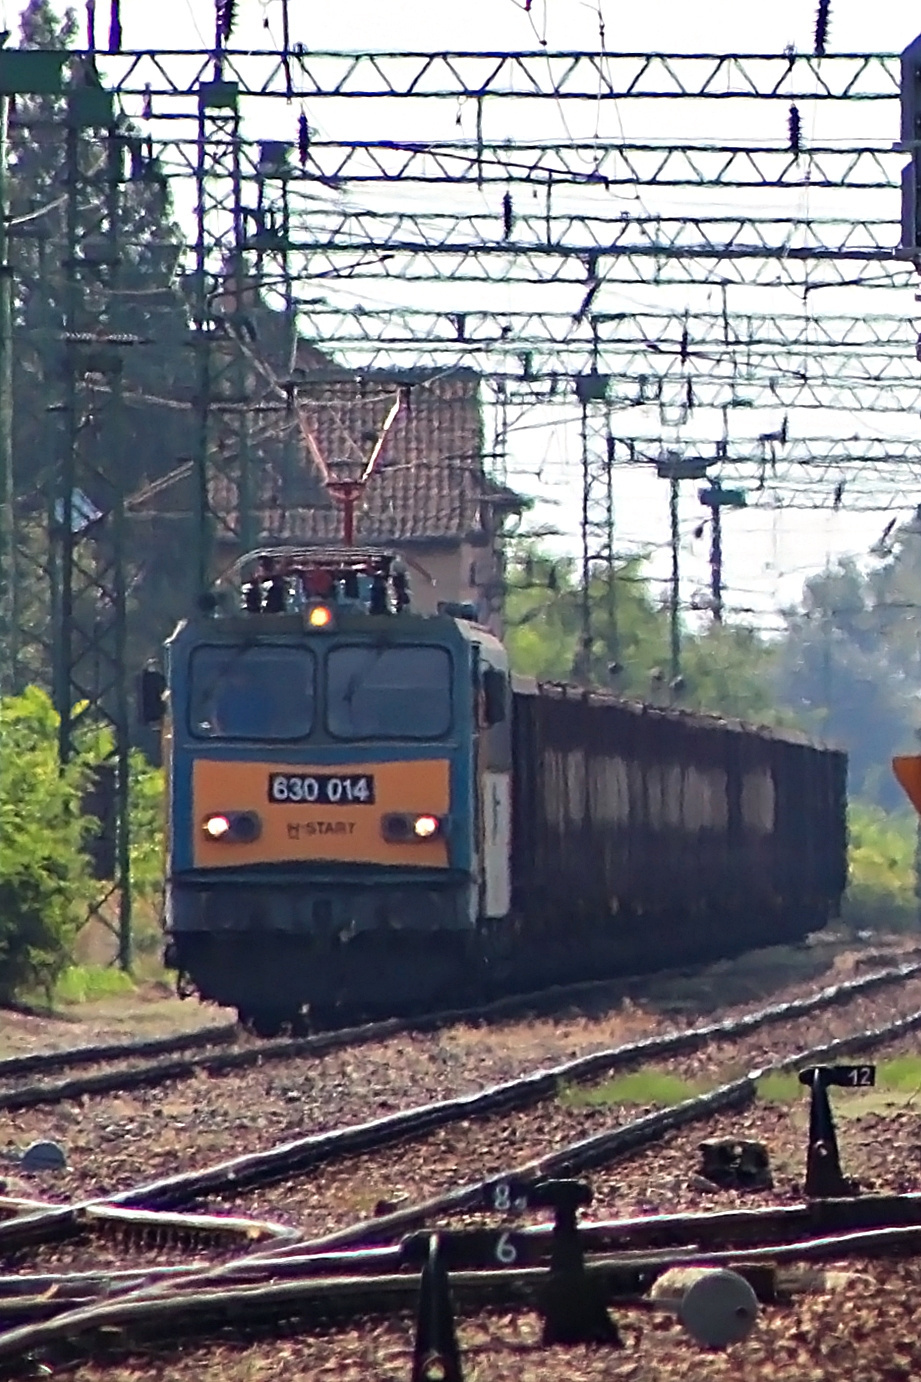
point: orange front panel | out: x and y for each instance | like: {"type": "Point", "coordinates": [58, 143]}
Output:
{"type": "Point", "coordinates": [296, 832]}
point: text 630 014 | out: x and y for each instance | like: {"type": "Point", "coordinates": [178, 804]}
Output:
{"type": "Point", "coordinates": [325, 789]}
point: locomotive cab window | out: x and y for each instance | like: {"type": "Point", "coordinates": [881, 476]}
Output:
{"type": "Point", "coordinates": [252, 692]}
{"type": "Point", "coordinates": [394, 692]}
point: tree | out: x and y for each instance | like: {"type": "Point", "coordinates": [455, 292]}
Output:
{"type": "Point", "coordinates": [155, 426]}
{"type": "Point", "coordinates": [726, 670]}
{"type": "Point", "coordinates": [844, 669]}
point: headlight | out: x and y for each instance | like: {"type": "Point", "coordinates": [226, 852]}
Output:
{"type": "Point", "coordinates": [408, 828]}
{"type": "Point", "coordinates": [319, 617]}
{"type": "Point", "coordinates": [232, 827]}
{"type": "Point", "coordinates": [426, 827]}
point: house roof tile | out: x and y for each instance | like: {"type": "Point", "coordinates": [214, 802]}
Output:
{"type": "Point", "coordinates": [428, 483]}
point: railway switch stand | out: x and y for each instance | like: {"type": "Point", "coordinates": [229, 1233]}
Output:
{"type": "Point", "coordinates": [436, 1356]}
{"type": "Point", "coordinates": [572, 1304]}
{"type": "Point", "coordinates": [824, 1177]}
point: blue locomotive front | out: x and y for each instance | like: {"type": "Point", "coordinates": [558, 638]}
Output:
{"type": "Point", "coordinates": [339, 793]}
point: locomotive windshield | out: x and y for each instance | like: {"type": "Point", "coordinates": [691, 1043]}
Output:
{"type": "Point", "coordinates": [252, 692]}
{"type": "Point", "coordinates": [390, 692]}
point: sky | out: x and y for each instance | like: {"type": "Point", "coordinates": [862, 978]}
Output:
{"type": "Point", "coordinates": [768, 551]}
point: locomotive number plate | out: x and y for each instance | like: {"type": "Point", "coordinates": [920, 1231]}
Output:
{"type": "Point", "coordinates": [322, 789]}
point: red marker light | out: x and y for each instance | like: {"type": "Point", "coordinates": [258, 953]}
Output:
{"type": "Point", "coordinates": [216, 827]}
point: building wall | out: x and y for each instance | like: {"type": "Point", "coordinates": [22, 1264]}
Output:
{"type": "Point", "coordinates": [460, 573]}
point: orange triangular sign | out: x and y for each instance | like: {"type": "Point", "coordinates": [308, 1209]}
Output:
{"type": "Point", "coordinates": [908, 774]}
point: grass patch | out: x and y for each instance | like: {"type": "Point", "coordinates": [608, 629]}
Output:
{"type": "Point", "coordinates": [88, 983]}
{"type": "Point", "coordinates": [901, 1072]}
{"type": "Point", "coordinates": [658, 1088]}
{"type": "Point", "coordinates": [901, 1075]}
{"type": "Point", "coordinates": [781, 1087]}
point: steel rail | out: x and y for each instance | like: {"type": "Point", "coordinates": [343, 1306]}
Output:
{"type": "Point", "coordinates": [306, 1301]}
{"type": "Point", "coordinates": [601, 1148]}
{"type": "Point", "coordinates": [147, 1076]}
{"type": "Point", "coordinates": [11, 1067]}
{"type": "Point", "coordinates": [303, 1154]}
{"type": "Point", "coordinates": [193, 1306]}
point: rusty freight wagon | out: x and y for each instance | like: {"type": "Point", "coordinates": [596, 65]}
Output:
{"type": "Point", "coordinates": [645, 837]}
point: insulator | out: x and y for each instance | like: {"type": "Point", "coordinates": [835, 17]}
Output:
{"type": "Point", "coordinates": [689, 396]}
{"type": "Point", "coordinates": [795, 126]}
{"type": "Point", "coordinates": [276, 597]}
{"type": "Point", "coordinates": [226, 17]}
{"type": "Point", "coordinates": [378, 603]}
{"type": "Point", "coordinates": [508, 218]}
{"type": "Point", "coordinates": [821, 27]}
{"type": "Point", "coordinates": [115, 27]}
{"type": "Point", "coordinates": [783, 430]}
{"type": "Point", "coordinates": [684, 345]}
{"type": "Point", "coordinates": [401, 589]}
{"type": "Point", "coordinates": [303, 138]}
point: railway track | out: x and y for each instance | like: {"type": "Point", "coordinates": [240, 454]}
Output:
{"type": "Point", "coordinates": [480, 1123]}
{"type": "Point", "coordinates": [318, 1280]}
{"type": "Point", "coordinates": [203, 1051]}
{"type": "Point", "coordinates": [165, 1266]}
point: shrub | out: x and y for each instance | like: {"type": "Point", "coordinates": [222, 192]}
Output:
{"type": "Point", "coordinates": [147, 828]}
{"type": "Point", "coordinates": [87, 983]}
{"type": "Point", "coordinates": [45, 883]}
{"type": "Point", "coordinates": [881, 889]}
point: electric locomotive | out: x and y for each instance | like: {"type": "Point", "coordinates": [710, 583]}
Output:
{"type": "Point", "coordinates": [339, 790]}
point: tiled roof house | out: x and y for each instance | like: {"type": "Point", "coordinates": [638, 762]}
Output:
{"type": "Point", "coordinates": [428, 496]}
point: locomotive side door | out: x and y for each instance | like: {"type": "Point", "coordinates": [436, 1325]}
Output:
{"type": "Point", "coordinates": [494, 774]}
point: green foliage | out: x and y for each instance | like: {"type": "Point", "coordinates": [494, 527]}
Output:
{"type": "Point", "coordinates": [726, 669]}
{"type": "Point", "coordinates": [147, 828]}
{"type": "Point", "coordinates": [850, 662]}
{"type": "Point", "coordinates": [881, 890]}
{"type": "Point", "coordinates": [89, 983]}
{"type": "Point", "coordinates": [44, 874]}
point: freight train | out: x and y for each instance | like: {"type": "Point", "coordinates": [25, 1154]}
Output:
{"type": "Point", "coordinates": [367, 812]}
